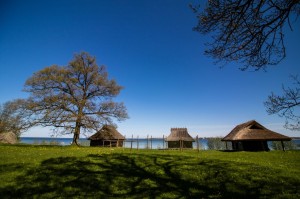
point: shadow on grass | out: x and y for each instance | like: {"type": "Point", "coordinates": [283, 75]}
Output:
{"type": "Point", "coordinates": [149, 176]}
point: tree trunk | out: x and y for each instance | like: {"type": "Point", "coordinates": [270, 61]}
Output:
{"type": "Point", "coordinates": [75, 139]}
{"type": "Point", "coordinates": [76, 134]}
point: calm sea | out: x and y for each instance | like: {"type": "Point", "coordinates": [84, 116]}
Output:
{"type": "Point", "coordinates": [141, 143]}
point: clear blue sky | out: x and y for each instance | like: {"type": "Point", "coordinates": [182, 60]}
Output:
{"type": "Point", "coordinates": [150, 49]}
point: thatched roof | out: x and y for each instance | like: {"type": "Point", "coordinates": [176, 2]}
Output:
{"type": "Point", "coordinates": [252, 130]}
{"type": "Point", "coordinates": [179, 134]}
{"type": "Point", "coordinates": [107, 132]}
{"type": "Point", "coordinates": [8, 138]}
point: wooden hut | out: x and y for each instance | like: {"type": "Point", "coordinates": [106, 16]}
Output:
{"type": "Point", "coordinates": [179, 138]}
{"type": "Point", "coordinates": [252, 136]}
{"type": "Point", "coordinates": [107, 136]}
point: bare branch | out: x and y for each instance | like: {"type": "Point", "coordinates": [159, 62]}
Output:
{"type": "Point", "coordinates": [246, 31]}
{"type": "Point", "coordinates": [286, 105]}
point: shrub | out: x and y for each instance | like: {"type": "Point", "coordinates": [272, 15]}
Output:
{"type": "Point", "coordinates": [288, 145]}
{"type": "Point", "coordinates": [215, 143]}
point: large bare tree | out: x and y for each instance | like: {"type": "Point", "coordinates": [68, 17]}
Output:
{"type": "Point", "coordinates": [250, 32]}
{"type": "Point", "coordinates": [75, 97]}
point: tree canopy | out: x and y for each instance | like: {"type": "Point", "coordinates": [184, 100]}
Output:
{"type": "Point", "coordinates": [75, 97]}
{"type": "Point", "coordinates": [250, 32]}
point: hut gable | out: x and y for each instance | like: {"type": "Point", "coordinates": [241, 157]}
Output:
{"type": "Point", "coordinates": [179, 134]}
{"type": "Point", "coordinates": [107, 132]}
{"type": "Point", "coordinates": [252, 130]}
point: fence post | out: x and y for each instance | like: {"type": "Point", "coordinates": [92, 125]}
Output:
{"type": "Point", "coordinates": [137, 142]}
{"type": "Point", "coordinates": [167, 145]}
{"type": "Point", "coordinates": [131, 142]}
{"type": "Point", "coordinates": [282, 144]}
{"type": "Point", "coordinates": [147, 141]}
{"type": "Point", "coordinates": [197, 139]}
{"type": "Point", "coordinates": [124, 142]}
{"type": "Point", "coordinates": [163, 142]}
{"type": "Point", "coordinates": [151, 141]}
{"type": "Point", "coordinates": [180, 143]}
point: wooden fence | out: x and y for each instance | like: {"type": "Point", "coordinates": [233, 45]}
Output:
{"type": "Point", "coordinates": [156, 142]}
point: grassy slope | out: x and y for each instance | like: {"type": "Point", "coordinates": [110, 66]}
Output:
{"type": "Point", "coordinates": [52, 172]}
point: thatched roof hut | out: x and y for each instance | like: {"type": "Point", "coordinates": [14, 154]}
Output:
{"type": "Point", "coordinates": [252, 136]}
{"type": "Point", "coordinates": [107, 136]}
{"type": "Point", "coordinates": [179, 138]}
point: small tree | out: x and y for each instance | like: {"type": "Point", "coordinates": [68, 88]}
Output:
{"type": "Point", "coordinates": [286, 105]}
{"type": "Point", "coordinates": [75, 97]}
{"type": "Point", "coordinates": [14, 117]}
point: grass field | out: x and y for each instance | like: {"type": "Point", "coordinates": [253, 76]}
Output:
{"type": "Point", "coordinates": [86, 172]}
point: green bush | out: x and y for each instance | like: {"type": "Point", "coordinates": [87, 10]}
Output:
{"type": "Point", "coordinates": [288, 145]}
{"type": "Point", "coordinates": [215, 143]}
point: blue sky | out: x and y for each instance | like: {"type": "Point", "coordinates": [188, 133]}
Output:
{"type": "Point", "coordinates": [150, 49]}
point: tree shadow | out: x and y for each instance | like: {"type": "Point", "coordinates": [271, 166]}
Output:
{"type": "Point", "coordinates": [148, 176]}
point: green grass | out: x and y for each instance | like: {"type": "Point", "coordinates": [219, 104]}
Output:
{"type": "Point", "coordinates": [86, 172]}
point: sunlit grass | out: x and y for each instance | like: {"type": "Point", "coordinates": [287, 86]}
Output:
{"type": "Point", "coordinates": [91, 172]}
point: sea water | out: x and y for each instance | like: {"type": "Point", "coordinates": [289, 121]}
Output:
{"type": "Point", "coordinates": [141, 143]}
{"type": "Point", "coordinates": [52, 141]}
